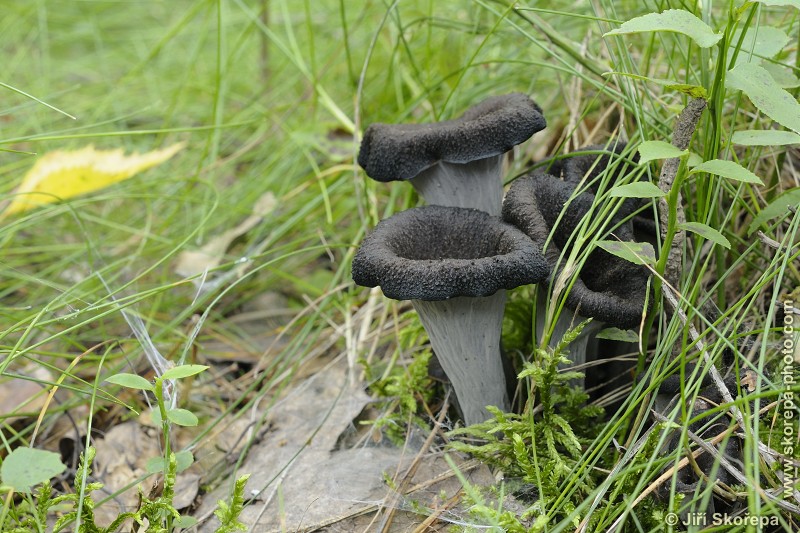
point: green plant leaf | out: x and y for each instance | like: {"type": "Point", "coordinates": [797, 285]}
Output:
{"type": "Point", "coordinates": [777, 207]}
{"type": "Point", "coordinates": [765, 93]}
{"type": "Point", "coordinates": [652, 150]}
{"type": "Point", "coordinates": [185, 522]}
{"type": "Point", "coordinates": [706, 232]}
{"type": "Point", "coordinates": [616, 334]}
{"type": "Point", "coordinates": [182, 417]}
{"type": "Point", "coordinates": [694, 160]}
{"type": "Point", "coordinates": [131, 381]}
{"type": "Point", "coordinates": [695, 91]}
{"type": "Point", "coordinates": [765, 138]}
{"type": "Point", "coordinates": [639, 253]}
{"type": "Point", "coordinates": [639, 189]}
{"type": "Point", "coordinates": [783, 76]}
{"type": "Point", "coordinates": [727, 169]}
{"type": "Point", "coordinates": [183, 371]}
{"type": "Point", "coordinates": [183, 460]}
{"type": "Point", "coordinates": [789, 3]}
{"type": "Point", "coordinates": [25, 467]}
{"type": "Point", "coordinates": [764, 41]}
{"type": "Point", "coordinates": [671, 20]}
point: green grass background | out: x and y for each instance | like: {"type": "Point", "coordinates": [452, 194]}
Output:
{"type": "Point", "coordinates": [272, 96]}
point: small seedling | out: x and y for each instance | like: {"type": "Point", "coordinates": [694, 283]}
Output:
{"type": "Point", "coordinates": [164, 415]}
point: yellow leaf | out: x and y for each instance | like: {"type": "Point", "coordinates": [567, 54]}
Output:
{"type": "Point", "coordinates": [63, 174]}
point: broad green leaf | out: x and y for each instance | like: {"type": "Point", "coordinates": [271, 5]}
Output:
{"type": "Point", "coordinates": [764, 41]}
{"type": "Point", "coordinates": [766, 94]}
{"type": "Point", "coordinates": [183, 460]}
{"type": "Point", "coordinates": [639, 189]}
{"type": "Point", "coordinates": [707, 232]}
{"type": "Point", "coordinates": [694, 160]}
{"type": "Point", "coordinates": [131, 381]}
{"type": "Point", "coordinates": [25, 467]}
{"type": "Point", "coordinates": [155, 415]}
{"type": "Point", "coordinates": [64, 174]}
{"type": "Point", "coordinates": [783, 76]}
{"type": "Point", "coordinates": [639, 253]}
{"type": "Point", "coordinates": [651, 150]}
{"type": "Point", "coordinates": [616, 334]}
{"type": "Point", "coordinates": [789, 3]}
{"type": "Point", "coordinates": [765, 138]}
{"type": "Point", "coordinates": [183, 371]}
{"type": "Point", "coordinates": [186, 521]}
{"type": "Point", "coordinates": [182, 417]}
{"type": "Point", "coordinates": [727, 169]}
{"type": "Point", "coordinates": [777, 207]}
{"type": "Point", "coordinates": [671, 20]}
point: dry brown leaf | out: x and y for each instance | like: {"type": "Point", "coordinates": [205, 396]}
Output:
{"type": "Point", "coordinates": [298, 450]}
{"type": "Point", "coordinates": [195, 262]}
{"type": "Point", "coordinates": [121, 458]}
{"type": "Point", "coordinates": [24, 393]}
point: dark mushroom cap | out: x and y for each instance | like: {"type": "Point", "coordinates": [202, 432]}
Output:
{"type": "Point", "coordinates": [576, 167]}
{"type": "Point", "coordinates": [608, 288]}
{"type": "Point", "coordinates": [392, 152]}
{"type": "Point", "coordinates": [436, 253]}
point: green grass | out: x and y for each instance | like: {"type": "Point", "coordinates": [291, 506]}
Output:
{"type": "Point", "coordinates": [277, 103]}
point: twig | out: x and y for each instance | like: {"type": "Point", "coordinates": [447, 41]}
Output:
{"type": "Point", "coordinates": [666, 475]}
{"type": "Point", "coordinates": [681, 137]}
{"type": "Point", "coordinates": [712, 370]}
{"type": "Point", "coordinates": [707, 447]}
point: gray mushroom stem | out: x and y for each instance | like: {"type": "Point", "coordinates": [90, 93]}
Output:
{"type": "Point", "coordinates": [478, 184]}
{"type": "Point", "coordinates": [465, 335]}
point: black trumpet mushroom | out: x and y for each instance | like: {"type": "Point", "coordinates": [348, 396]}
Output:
{"type": "Point", "coordinates": [454, 264]}
{"type": "Point", "coordinates": [608, 289]}
{"type": "Point", "coordinates": [586, 168]}
{"type": "Point", "coordinates": [458, 162]}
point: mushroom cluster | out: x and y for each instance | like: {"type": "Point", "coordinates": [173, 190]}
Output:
{"type": "Point", "coordinates": [720, 461]}
{"type": "Point", "coordinates": [455, 257]}
{"type": "Point", "coordinates": [609, 290]}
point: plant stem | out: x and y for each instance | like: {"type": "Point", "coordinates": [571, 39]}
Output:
{"type": "Point", "coordinates": [670, 210]}
{"type": "Point", "coordinates": [159, 392]}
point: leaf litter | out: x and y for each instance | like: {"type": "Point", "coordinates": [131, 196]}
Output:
{"type": "Point", "coordinates": [301, 480]}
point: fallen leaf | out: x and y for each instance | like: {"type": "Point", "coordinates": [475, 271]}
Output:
{"type": "Point", "coordinates": [299, 448]}
{"type": "Point", "coordinates": [24, 391]}
{"type": "Point", "coordinates": [303, 479]}
{"type": "Point", "coordinates": [121, 458]}
{"type": "Point", "coordinates": [64, 174]}
{"type": "Point", "coordinates": [195, 262]}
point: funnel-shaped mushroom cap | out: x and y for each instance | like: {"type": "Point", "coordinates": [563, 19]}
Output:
{"type": "Point", "coordinates": [436, 253]}
{"type": "Point", "coordinates": [392, 152]}
{"type": "Point", "coordinates": [608, 288]}
{"type": "Point", "coordinates": [576, 167]}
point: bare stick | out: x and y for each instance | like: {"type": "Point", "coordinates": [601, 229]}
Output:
{"type": "Point", "coordinates": [681, 137]}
